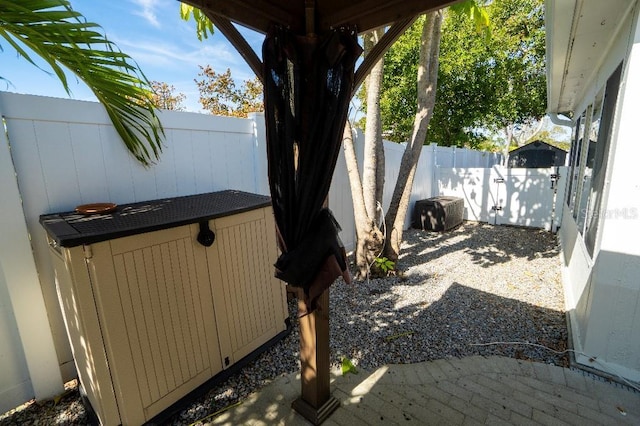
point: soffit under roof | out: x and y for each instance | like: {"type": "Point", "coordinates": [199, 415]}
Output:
{"type": "Point", "coordinates": [579, 37]}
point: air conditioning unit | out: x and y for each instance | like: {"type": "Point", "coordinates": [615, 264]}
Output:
{"type": "Point", "coordinates": [440, 213]}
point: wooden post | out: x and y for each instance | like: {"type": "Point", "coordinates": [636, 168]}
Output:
{"type": "Point", "coordinates": [315, 402]}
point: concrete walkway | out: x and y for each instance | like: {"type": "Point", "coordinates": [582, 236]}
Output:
{"type": "Point", "coordinates": [473, 390]}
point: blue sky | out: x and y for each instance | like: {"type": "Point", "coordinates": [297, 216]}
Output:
{"type": "Point", "coordinates": [152, 33]}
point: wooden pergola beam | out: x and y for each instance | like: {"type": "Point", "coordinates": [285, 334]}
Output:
{"type": "Point", "coordinates": [393, 33]}
{"type": "Point", "coordinates": [238, 41]}
{"type": "Point", "coordinates": [258, 15]}
{"type": "Point", "coordinates": [315, 402]}
{"type": "Point", "coordinates": [364, 15]}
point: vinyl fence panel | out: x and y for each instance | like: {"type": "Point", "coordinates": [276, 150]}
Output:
{"type": "Point", "coordinates": [28, 358]}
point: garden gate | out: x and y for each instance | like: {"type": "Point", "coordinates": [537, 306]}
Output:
{"type": "Point", "coordinates": [507, 196]}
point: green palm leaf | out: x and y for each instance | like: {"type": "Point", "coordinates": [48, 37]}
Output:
{"type": "Point", "coordinates": [64, 39]}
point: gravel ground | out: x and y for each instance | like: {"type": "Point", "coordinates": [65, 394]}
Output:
{"type": "Point", "coordinates": [462, 292]}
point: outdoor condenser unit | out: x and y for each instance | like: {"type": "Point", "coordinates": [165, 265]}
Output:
{"type": "Point", "coordinates": [160, 296]}
{"type": "Point", "coordinates": [438, 213]}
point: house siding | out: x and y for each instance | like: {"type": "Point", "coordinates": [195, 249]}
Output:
{"type": "Point", "coordinates": [603, 291]}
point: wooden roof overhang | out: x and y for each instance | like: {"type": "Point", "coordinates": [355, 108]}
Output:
{"type": "Point", "coordinates": [306, 17]}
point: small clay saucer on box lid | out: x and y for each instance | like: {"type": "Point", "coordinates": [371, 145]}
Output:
{"type": "Point", "coordinates": [97, 208]}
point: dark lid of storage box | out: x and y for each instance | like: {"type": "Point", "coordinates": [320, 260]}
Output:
{"type": "Point", "coordinates": [72, 229]}
{"type": "Point", "coordinates": [440, 199]}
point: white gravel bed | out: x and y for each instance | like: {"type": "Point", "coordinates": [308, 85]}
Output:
{"type": "Point", "coordinates": [462, 291]}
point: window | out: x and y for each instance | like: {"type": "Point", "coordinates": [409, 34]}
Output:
{"type": "Point", "coordinates": [591, 135]}
{"type": "Point", "coordinates": [575, 148]}
{"type": "Point", "coordinates": [577, 167]}
{"type": "Point", "coordinates": [600, 159]}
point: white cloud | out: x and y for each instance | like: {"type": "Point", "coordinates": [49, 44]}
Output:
{"type": "Point", "coordinates": [147, 11]}
{"type": "Point", "coordinates": [159, 53]}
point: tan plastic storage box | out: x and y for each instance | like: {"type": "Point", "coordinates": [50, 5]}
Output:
{"type": "Point", "coordinates": [150, 311]}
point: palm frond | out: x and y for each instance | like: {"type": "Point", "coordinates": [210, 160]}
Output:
{"type": "Point", "coordinates": [63, 38]}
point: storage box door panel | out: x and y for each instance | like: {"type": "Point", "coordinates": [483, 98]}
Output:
{"type": "Point", "coordinates": [76, 298]}
{"type": "Point", "coordinates": [153, 295]}
{"type": "Point", "coordinates": [244, 290]}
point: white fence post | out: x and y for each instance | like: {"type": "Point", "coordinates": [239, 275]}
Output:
{"type": "Point", "coordinates": [433, 164]}
{"type": "Point", "coordinates": [260, 153]}
{"type": "Point", "coordinates": [18, 269]}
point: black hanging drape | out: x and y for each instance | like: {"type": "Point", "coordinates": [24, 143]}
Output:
{"type": "Point", "coordinates": [307, 84]}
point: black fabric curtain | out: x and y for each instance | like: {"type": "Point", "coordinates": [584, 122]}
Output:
{"type": "Point", "coordinates": [308, 81]}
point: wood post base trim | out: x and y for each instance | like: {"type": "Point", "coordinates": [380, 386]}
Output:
{"type": "Point", "coordinates": [315, 415]}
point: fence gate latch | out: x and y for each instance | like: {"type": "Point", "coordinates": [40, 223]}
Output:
{"type": "Point", "coordinates": [496, 208]}
{"type": "Point", "coordinates": [498, 180]}
{"type": "Point", "coordinates": [554, 178]}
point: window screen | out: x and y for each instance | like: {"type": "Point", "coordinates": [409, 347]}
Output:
{"type": "Point", "coordinates": [591, 135]}
{"type": "Point", "coordinates": [601, 158]}
{"type": "Point", "coordinates": [575, 147]}
{"type": "Point", "coordinates": [577, 165]}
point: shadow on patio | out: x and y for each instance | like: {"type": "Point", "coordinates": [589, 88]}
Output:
{"type": "Point", "coordinates": [473, 390]}
{"type": "Point", "coordinates": [480, 387]}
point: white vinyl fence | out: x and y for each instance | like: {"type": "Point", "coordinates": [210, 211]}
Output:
{"type": "Point", "coordinates": [505, 196]}
{"type": "Point", "coordinates": [432, 158]}
{"type": "Point", "coordinates": [64, 153]}
{"type": "Point", "coordinates": [67, 153]}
